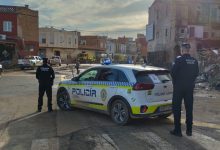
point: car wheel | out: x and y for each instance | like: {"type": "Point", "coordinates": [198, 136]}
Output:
{"type": "Point", "coordinates": [59, 64]}
{"type": "Point", "coordinates": [164, 116]}
{"type": "Point", "coordinates": [63, 100]}
{"type": "Point", "coordinates": [120, 112]}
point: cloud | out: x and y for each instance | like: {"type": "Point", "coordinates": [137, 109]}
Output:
{"type": "Point", "coordinates": [110, 16]}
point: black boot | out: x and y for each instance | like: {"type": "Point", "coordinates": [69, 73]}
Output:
{"type": "Point", "coordinates": [39, 109]}
{"type": "Point", "coordinates": [189, 131]}
{"type": "Point", "coordinates": [176, 133]}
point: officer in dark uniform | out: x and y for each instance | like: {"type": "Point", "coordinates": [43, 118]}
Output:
{"type": "Point", "coordinates": [184, 72]}
{"type": "Point", "coordinates": [45, 76]}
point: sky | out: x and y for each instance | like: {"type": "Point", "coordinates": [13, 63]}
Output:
{"type": "Point", "coordinates": [112, 18]}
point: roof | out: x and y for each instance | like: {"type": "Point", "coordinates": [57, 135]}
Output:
{"type": "Point", "coordinates": [131, 66]}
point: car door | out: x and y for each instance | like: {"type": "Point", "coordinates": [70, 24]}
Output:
{"type": "Point", "coordinates": [82, 89]}
{"type": "Point", "coordinates": [108, 85]}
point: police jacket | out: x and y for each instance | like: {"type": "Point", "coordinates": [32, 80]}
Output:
{"type": "Point", "coordinates": [45, 75]}
{"type": "Point", "coordinates": [184, 71]}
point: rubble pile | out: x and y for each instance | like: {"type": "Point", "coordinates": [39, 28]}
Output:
{"type": "Point", "coordinates": [209, 69]}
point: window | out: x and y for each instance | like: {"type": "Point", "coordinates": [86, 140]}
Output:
{"type": "Point", "coordinates": [191, 31]}
{"type": "Point", "coordinates": [122, 77]}
{"type": "Point", "coordinates": [213, 34]}
{"type": "Point", "coordinates": [157, 35]}
{"type": "Point", "coordinates": [206, 35]}
{"type": "Point", "coordinates": [43, 40]}
{"type": "Point", "coordinates": [61, 39]}
{"type": "Point", "coordinates": [7, 26]}
{"type": "Point", "coordinates": [151, 77]}
{"type": "Point", "coordinates": [182, 31]}
{"type": "Point", "coordinates": [57, 53]}
{"type": "Point", "coordinates": [166, 33]}
{"type": "Point", "coordinates": [112, 75]}
{"type": "Point", "coordinates": [52, 38]}
{"type": "Point", "coordinates": [89, 75]}
{"type": "Point", "coordinates": [70, 40]}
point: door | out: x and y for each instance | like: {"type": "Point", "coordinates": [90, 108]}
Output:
{"type": "Point", "coordinates": [82, 89]}
{"type": "Point", "coordinates": [109, 80]}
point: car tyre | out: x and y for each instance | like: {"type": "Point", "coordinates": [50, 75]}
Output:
{"type": "Point", "coordinates": [120, 112]}
{"type": "Point", "coordinates": [63, 100]}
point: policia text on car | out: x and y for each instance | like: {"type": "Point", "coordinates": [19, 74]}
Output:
{"type": "Point", "coordinates": [184, 72]}
{"type": "Point", "coordinates": [45, 76]}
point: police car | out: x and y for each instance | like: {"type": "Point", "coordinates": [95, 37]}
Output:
{"type": "Point", "coordinates": [121, 91]}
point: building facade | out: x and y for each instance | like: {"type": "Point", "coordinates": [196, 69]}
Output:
{"type": "Point", "coordinates": [92, 48]}
{"type": "Point", "coordinates": [19, 33]}
{"type": "Point", "coordinates": [172, 22]}
{"type": "Point", "coordinates": [111, 47]}
{"type": "Point", "coordinates": [141, 44]}
{"type": "Point", "coordinates": [55, 42]}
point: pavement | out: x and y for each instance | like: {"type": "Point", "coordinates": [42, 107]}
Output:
{"type": "Point", "coordinates": [21, 128]}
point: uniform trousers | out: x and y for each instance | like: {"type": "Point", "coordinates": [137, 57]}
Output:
{"type": "Point", "coordinates": [178, 95]}
{"type": "Point", "coordinates": [42, 89]}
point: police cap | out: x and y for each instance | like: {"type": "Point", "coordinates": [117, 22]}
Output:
{"type": "Point", "coordinates": [186, 45]}
{"type": "Point", "coordinates": [45, 60]}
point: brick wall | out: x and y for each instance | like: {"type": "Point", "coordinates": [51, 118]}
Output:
{"type": "Point", "coordinates": [28, 24]}
{"type": "Point", "coordinates": [8, 17]}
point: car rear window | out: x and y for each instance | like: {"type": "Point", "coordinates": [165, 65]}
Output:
{"type": "Point", "coordinates": [150, 77]}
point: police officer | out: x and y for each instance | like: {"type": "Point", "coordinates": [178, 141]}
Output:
{"type": "Point", "coordinates": [45, 76]}
{"type": "Point", "coordinates": [77, 66]}
{"type": "Point", "coordinates": [184, 72]}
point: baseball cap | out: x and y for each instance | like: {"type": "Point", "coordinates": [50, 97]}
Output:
{"type": "Point", "coordinates": [186, 45]}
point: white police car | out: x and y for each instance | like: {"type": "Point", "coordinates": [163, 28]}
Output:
{"type": "Point", "coordinates": [122, 91]}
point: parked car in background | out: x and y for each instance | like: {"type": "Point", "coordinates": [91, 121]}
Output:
{"type": "Point", "coordinates": [30, 62]}
{"type": "Point", "coordinates": [55, 60]}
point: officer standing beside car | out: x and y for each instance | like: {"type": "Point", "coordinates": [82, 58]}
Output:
{"type": "Point", "coordinates": [184, 72]}
{"type": "Point", "coordinates": [45, 75]}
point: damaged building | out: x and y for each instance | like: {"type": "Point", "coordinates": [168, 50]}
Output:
{"type": "Point", "coordinates": [172, 22]}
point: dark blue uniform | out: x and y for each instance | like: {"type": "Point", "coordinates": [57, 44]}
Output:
{"type": "Point", "coordinates": [184, 72]}
{"type": "Point", "coordinates": [45, 76]}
